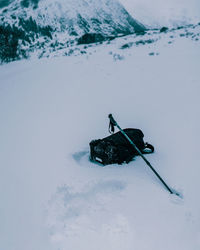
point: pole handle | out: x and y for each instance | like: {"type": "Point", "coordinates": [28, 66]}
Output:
{"type": "Point", "coordinates": [112, 120]}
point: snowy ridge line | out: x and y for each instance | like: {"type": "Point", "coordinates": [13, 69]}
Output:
{"type": "Point", "coordinates": [47, 47]}
{"type": "Point", "coordinates": [128, 43]}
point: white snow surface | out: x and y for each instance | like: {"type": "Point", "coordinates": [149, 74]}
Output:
{"type": "Point", "coordinates": [52, 196]}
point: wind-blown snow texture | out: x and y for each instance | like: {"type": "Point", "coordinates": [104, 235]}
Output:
{"type": "Point", "coordinates": [52, 196]}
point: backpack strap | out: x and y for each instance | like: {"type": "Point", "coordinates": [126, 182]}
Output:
{"type": "Point", "coordinates": [148, 148]}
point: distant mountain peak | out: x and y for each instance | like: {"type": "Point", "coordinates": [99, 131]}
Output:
{"type": "Point", "coordinates": [107, 17]}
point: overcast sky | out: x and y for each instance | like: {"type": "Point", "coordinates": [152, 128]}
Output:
{"type": "Point", "coordinates": [164, 12]}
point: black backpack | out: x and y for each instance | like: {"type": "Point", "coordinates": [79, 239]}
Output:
{"type": "Point", "coordinates": [116, 148]}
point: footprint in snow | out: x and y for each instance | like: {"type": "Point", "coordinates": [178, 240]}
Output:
{"type": "Point", "coordinates": [70, 211]}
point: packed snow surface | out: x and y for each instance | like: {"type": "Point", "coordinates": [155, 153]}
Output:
{"type": "Point", "coordinates": [52, 196]}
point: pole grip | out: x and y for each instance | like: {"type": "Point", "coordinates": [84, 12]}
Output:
{"type": "Point", "coordinates": [112, 120]}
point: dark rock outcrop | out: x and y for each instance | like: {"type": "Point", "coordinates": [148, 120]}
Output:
{"type": "Point", "coordinates": [91, 38]}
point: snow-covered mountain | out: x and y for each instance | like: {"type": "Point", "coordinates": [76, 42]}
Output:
{"type": "Point", "coordinates": [108, 17]}
{"type": "Point", "coordinates": [37, 23]}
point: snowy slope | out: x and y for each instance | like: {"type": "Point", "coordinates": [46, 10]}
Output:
{"type": "Point", "coordinates": [52, 197]}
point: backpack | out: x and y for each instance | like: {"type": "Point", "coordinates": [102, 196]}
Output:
{"type": "Point", "coordinates": [117, 149]}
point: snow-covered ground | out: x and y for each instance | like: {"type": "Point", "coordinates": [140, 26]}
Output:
{"type": "Point", "coordinates": [52, 196]}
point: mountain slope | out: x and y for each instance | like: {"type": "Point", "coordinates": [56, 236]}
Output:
{"type": "Point", "coordinates": [40, 24]}
{"type": "Point", "coordinates": [108, 17]}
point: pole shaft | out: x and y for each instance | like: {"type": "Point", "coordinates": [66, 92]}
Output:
{"type": "Point", "coordinates": [139, 152]}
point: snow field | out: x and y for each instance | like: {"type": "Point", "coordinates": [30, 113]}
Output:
{"type": "Point", "coordinates": [52, 108]}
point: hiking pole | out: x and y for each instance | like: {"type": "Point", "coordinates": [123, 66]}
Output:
{"type": "Point", "coordinates": [114, 123]}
